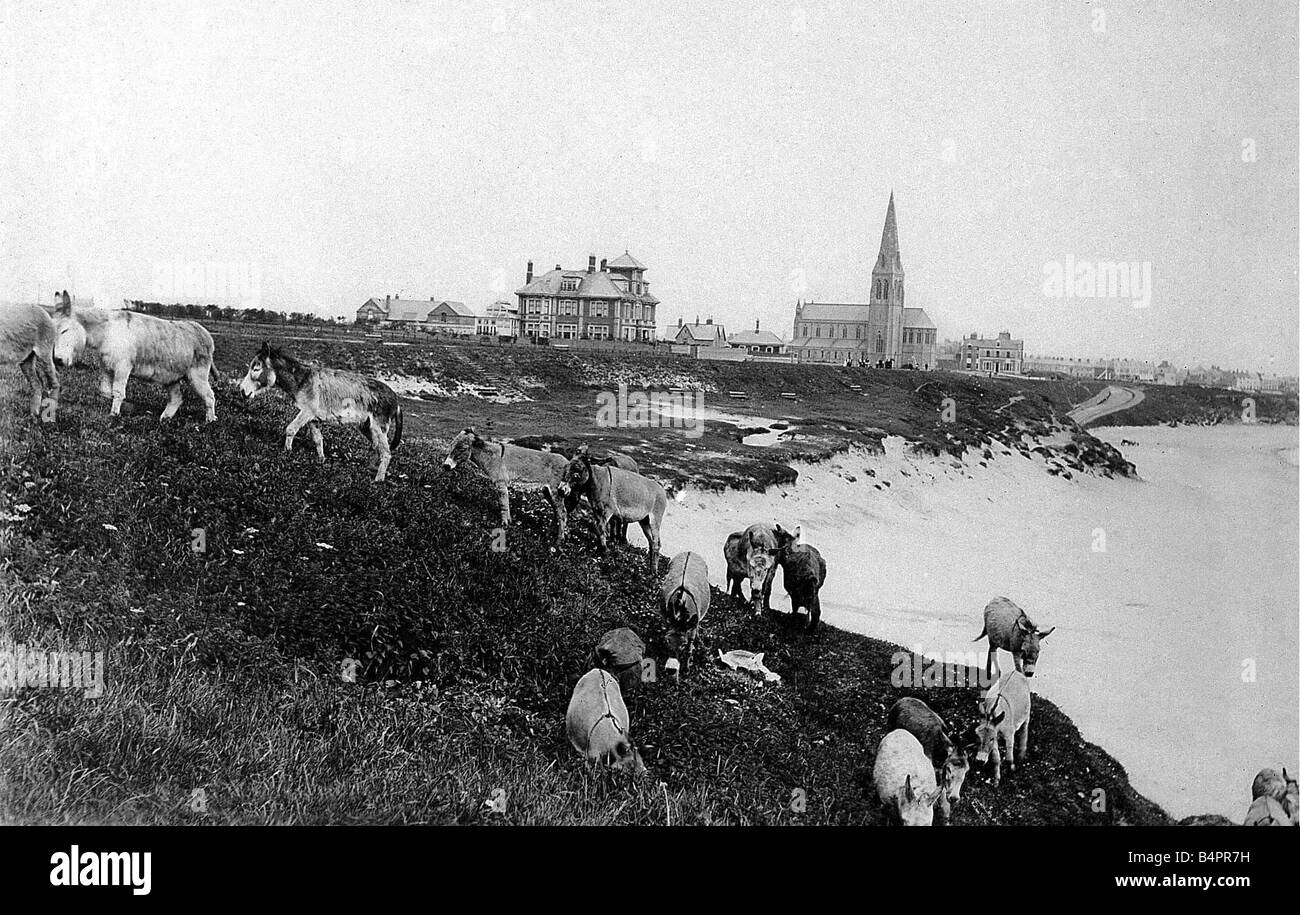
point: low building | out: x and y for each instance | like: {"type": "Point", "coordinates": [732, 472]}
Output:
{"type": "Point", "coordinates": [451, 318]}
{"type": "Point", "coordinates": [992, 354]}
{"type": "Point", "coordinates": [758, 343]}
{"type": "Point", "coordinates": [697, 336]}
{"type": "Point", "coordinates": [500, 320]}
{"type": "Point", "coordinates": [373, 310]}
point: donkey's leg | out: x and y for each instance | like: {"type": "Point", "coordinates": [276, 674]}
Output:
{"type": "Point", "coordinates": [319, 440]}
{"type": "Point", "coordinates": [173, 400]}
{"type": "Point", "coordinates": [105, 384]}
{"type": "Point", "coordinates": [558, 505]}
{"type": "Point", "coordinates": [28, 366]}
{"type": "Point", "coordinates": [379, 438]}
{"type": "Point", "coordinates": [121, 373]}
{"type": "Point", "coordinates": [503, 497]}
{"type": "Point", "coordinates": [291, 430]}
{"type": "Point", "coordinates": [49, 377]}
{"type": "Point", "coordinates": [199, 376]}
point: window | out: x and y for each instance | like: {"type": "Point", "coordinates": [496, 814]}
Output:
{"type": "Point", "coordinates": [598, 331]}
{"type": "Point", "coordinates": [568, 284]}
{"type": "Point", "coordinates": [818, 328]}
{"type": "Point", "coordinates": [568, 307]}
{"type": "Point", "coordinates": [599, 309]}
{"type": "Point", "coordinates": [566, 331]}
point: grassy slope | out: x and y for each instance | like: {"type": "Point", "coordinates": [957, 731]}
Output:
{"type": "Point", "coordinates": [224, 668]}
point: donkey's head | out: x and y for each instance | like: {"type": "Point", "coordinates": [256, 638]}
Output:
{"type": "Point", "coordinates": [261, 373]}
{"type": "Point", "coordinates": [461, 447]}
{"type": "Point", "coordinates": [577, 473]}
{"type": "Point", "coordinates": [70, 333]}
{"type": "Point", "coordinates": [1030, 636]}
{"type": "Point", "coordinates": [986, 731]}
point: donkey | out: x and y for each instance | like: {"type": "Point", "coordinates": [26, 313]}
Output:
{"type": "Point", "coordinates": [597, 723]}
{"type": "Point", "coordinates": [919, 720]}
{"type": "Point", "coordinates": [754, 553]}
{"type": "Point", "coordinates": [328, 395]}
{"type": "Point", "coordinates": [617, 526]}
{"type": "Point", "coordinates": [1010, 628]}
{"type": "Point", "coordinates": [1004, 714]}
{"type": "Point", "coordinates": [27, 338]}
{"type": "Point", "coordinates": [1272, 792]}
{"type": "Point", "coordinates": [684, 593]}
{"type": "Point", "coordinates": [618, 493]}
{"type": "Point", "coordinates": [507, 465]}
{"type": "Point", "coordinates": [904, 780]}
{"type": "Point", "coordinates": [129, 344]}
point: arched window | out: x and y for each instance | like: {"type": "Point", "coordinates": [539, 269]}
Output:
{"type": "Point", "coordinates": [880, 343]}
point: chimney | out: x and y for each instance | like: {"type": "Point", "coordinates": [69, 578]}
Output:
{"type": "Point", "coordinates": [528, 277]}
{"type": "Point", "coordinates": [708, 320]}
{"type": "Point", "coordinates": [756, 325]}
{"type": "Point", "coordinates": [591, 263]}
{"type": "Point", "coordinates": [603, 261]}
{"type": "Point", "coordinates": [557, 266]}
{"type": "Point", "coordinates": [432, 299]}
{"type": "Point", "coordinates": [387, 299]}
{"type": "Point", "coordinates": [697, 320]}
{"type": "Point", "coordinates": [679, 320]}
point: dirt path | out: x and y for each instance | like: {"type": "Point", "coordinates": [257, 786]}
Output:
{"type": "Point", "coordinates": [1111, 400]}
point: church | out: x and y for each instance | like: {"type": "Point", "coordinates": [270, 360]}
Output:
{"type": "Point", "coordinates": [883, 332]}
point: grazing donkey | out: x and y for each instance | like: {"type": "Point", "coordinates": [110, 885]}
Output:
{"type": "Point", "coordinates": [620, 651]}
{"type": "Point", "coordinates": [27, 338]}
{"type": "Point", "coordinates": [507, 465]}
{"type": "Point", "coordinates": [1004, 713]}
{"type": "Point", "coordinates": [597, 723]}
{"type": "Point", "coordinates": [803, 571]}
{"type": "Point", "coordinates": [1008, 628]}
{"type": "Point", "coordinates": [331, 396]}
{"type": "Point", "coordinates": [129, 344]}
{"type": "Point", "coordinates": [1275, 799]}
{"type": "Point", "coordinates": [754, 553]}
{"type": "Point", "coordinates": [618, 493]}
{"type": "Point", "coordinates": [685, 596]}
{"type": "Point", "coordinates": [904, 780]}
{"type": "Point", "coordinates": [919, 720]}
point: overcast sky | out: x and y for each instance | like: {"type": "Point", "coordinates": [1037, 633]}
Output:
{"type": "Point", "coordinates": [744, 152]}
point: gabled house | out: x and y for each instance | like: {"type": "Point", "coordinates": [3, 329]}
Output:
{"type": "Point", "coordinates": [451, 318]}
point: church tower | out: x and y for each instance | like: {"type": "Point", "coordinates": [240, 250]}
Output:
{"type": "Point", "coordinates": [885, 331]}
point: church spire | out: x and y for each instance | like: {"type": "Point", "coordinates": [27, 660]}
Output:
{"type": "Point", "coordinates": [889, 260]}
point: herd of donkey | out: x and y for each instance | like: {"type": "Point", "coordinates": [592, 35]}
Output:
{"type": "Point", "coordinates": [918, 767]}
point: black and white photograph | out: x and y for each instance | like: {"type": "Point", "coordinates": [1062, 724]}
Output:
{"type": "Point", "coordinates": [543, 413]}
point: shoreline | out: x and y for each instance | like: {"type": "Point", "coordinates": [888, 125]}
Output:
{"type": "Point", "coordinates": [823, 502]}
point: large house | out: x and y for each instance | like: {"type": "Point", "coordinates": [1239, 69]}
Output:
{"type": "Point", "coordinates": [612, 303]}
{"type": "Point", "coordinates": [991, 354]}
{"type": "Point", "coordinates": [501, 320]}
{"type": "Point", "coordinates": [882, 331]}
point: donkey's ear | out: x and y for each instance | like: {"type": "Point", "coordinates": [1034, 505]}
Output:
{"type": "Point", "coordinates": [64, 306]}
{"type": "Point", "coordinates": [266, 348]}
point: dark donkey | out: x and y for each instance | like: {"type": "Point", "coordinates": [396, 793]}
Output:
{"type": "Point", "coordinates": [617, 493]}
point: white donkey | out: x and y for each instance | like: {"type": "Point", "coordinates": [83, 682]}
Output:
{"type": "Point", "coordinates": [129, 344]}
{"type": "Point", "coordinates": [27, 340]}
{"type": "Point", "coordinates": [328, 395]}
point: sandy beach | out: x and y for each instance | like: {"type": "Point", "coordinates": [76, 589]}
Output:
{"type": "Point", "coordinates": [1176, 595]}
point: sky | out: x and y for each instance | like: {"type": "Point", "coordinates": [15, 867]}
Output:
{"type": "Point", "coordinates": [744, 152]}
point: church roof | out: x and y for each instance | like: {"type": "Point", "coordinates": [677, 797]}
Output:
{"type": "Point", "coordinates": [916, 317]}
{"type": "Point", "coordinates": [889, 260]}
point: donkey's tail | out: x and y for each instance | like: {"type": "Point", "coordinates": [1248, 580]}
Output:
{"type": "Point", "coordinates": [983, 632]}
{"type": "Point", "coordinates": [397, 429]}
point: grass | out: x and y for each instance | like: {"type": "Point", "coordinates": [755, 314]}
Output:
{"type": "Point", "coordinates": [226, 700]}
